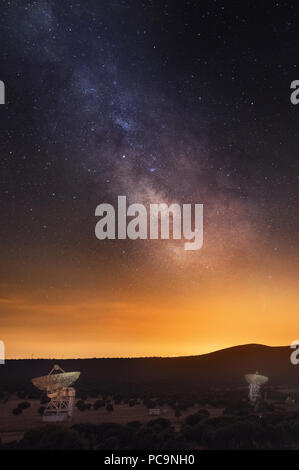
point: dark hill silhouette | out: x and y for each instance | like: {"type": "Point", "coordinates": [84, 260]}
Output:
{"type": "Point", "coordinates": [223, 368]}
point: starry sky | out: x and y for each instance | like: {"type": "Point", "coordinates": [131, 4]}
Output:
{"type": "Point", "coordinates": [161, 101]}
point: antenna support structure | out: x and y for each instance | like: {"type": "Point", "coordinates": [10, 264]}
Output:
{"type": "Point", "coordinates": [256, 381]}
{"type": "Point", "coordinates": [57, 387]}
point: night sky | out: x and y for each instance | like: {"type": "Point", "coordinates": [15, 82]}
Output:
{"type": "Point", "coordinates": [161, 101]}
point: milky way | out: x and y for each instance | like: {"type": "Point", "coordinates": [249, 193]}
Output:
{"type": "Point", "coordinates": [161, 102]}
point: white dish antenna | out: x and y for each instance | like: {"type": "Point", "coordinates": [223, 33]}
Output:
{"type": "Point", "coordinates": [56, 379]}
{"type": "Point", "coordinates": [57, 385]}
{"type": "Point", "coordinates": [256, 379]}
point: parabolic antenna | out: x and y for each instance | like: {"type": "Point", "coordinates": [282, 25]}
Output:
{"type": "Point", "coordinates": [256, 379]}
{"type": "Point", "coordinates": [55, 381]}
{"type": "Point", "coordinates": [62, 396]}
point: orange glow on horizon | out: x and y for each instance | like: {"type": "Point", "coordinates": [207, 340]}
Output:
{"type": "Point", "coordinates": [194, 320]}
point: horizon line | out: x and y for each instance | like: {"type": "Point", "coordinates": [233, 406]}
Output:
{"type": "Point", "coordinates": [173, 356]}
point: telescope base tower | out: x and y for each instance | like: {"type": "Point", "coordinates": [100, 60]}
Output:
{"type": "Point", "coordinates": [60, 406]}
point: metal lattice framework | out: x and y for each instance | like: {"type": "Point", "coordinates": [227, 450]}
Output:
{"type": "Point", "coordinates": [255, 383]}
{"type": "Point", "coordinates": [57, 386]}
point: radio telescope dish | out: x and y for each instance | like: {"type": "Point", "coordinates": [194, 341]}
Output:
{"type": "Point", "coordinates": [57, 385]}
{"type": "Point", "coordinates": [255, 383]}
{"type": "Point", "coordinates": [256, 379]}
{"type": "Point", "coordinates": [55, 381]}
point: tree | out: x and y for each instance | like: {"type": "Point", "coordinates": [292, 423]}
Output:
{"type": "Point", "coordinates": [99, 404]}
{"type": "Point", "coordinates": [195, 418]}
{"type": "Point", "coordinates": [24, 405]}
{"type": "Point", "coordinates": [159, 424]}
{"type": "Point", "coordinates": [52, 438]}
{"type": "Point", "coordinates": [81, 405]}
{"type": "Point", "coordinates": [146, 438]}
{"type": "Point", "coordinates": [239, 408]}
{"type": "Point", "coordinates": [134, 424]}
{"type": "Point", "coordinates": [109, 407]}
{"type": "Point", "coordinates": [150, 403]}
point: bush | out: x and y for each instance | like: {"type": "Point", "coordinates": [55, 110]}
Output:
{"type": "Point", "coordinates": [240, 435]}
{"type": "Point", "coordinates": [150, 403]}
{"type": "Point", "coordinates": [52, 437]}
{"type": "Point", "coordinates": [159, 424]}
{"type": "Point", "coordinates": [109, 407]}
{"type": "Point", "coordinates": [194, 433]}
{"type": "Point", "coordinates": [240, 408]}
{"type": "Point", "coordinates": [17, 411]}
{"type": "Point", "coordinates": [145, 439]}
{"type": "Point", "coordinates": [195, 418]}
{"type": "Point", "coordinates": [135, 424]}
{"type": "Point", "coordinates": [24, 405]}
{"type": "Point", "coordinates": [81, 405]}
{"type": "Point", "coordinates": [106, 435]}
{"type": "Point", "coordinates": [99, 404]}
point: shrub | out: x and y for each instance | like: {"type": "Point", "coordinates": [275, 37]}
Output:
{"type": "Point", "coordinates": [24, 405]}
{"type": "Point", "coordinates": [195, 418]}
{"type": "Point", "coordinates": [135, 424]}
{"type": "Point", "coordinates": [52, 438]}
{"type": "Point", "coordinates": [240, 408]}
{"type": "Point", "coordinates": [99, 404]}
{"type": "Point", "coordinates": [159, 424]}
{"type": "Point", "coordinates": [81, 405]}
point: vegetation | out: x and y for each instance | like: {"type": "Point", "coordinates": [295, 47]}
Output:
{"type": "Point", "coordinates": [24, 405]}
{"type": "Point", "coordinates": [99, 404]}
{"type": "Point", "coordinates": [238, 427]}
{"type": "Point", "coordinates": [41, 410]}
{"type": "Point", "coordinates": [137, 385]}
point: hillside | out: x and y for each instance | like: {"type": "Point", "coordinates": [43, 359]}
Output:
{"type": "Point", "coordinates": [222, 368]}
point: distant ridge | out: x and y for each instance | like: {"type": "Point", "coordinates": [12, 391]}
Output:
{"type": "Point", "coordinates": [224, 367]}
{"type": "Point", "coordinates": [249, 345]}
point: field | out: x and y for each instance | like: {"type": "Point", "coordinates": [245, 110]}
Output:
{"type": "Point", "coordinates": [203, 401]}
{"type": "Point", "coordinates": [12, 427]}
